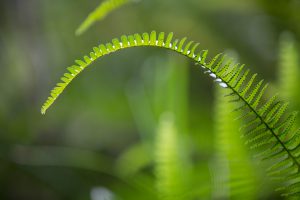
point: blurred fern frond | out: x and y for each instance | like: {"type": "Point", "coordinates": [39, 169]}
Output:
{"type": "Point", "coordinates": [289, 69]}
{"type": "Point", "coordinates": [100, 12]}
{"type": "Point", "coordinates": [268, 128]}
{"type": "Point", "coordinates": [234, 174]}
{"type": "Point", "coordinates": [169, 166]}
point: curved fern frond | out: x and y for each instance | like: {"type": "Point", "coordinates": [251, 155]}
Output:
{"type": "Point", "coordinates": [100, 12]}
{"type": "Point", "coordinates": [272, 131]}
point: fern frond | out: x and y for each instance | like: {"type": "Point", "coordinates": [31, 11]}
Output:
{"type": "Point", "coordinates": [169, 166]}
{"type": "Point", "coordinates": [288, 71]}
{"type": "Point", "coordinates": [106, 7]}
{"type": "Point", "coordinates": [236, 176]}
{"type": "Point", "coordinates": [239, 82]}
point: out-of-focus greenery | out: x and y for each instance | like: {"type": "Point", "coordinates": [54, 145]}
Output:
{"type": "Point", "coordinates": [99, 141]}
{"type": "Point", "coordinates": [235, 174]}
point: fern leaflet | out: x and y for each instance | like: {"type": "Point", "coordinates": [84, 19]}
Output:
{"type": "Point", "coordinates": [99, 13]}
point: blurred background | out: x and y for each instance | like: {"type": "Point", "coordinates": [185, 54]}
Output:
{"type": "Point", "coordinates": [111, 133]}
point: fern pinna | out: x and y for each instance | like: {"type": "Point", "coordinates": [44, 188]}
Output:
{"type": "Point", "coordinates": [268, 127]}
{"type": "Point", "coordinates": [99, 13]}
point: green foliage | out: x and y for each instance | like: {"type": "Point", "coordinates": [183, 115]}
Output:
{"type": "Point", "coordinates": [133, 160]}
{"type": "Point", "coordinates": [163, 95]}
{"type": "Point", "coordinates": [170, 170]}
{"type": "Point", "coordinates": [175, 176]}
{"type": "Point", "coordinates": [289, 72]}
{"type": "Point", "coordinates": [268, 127]}
{"type": "Point", "coordinates": [235, 174]}
{"type": "Point", "coordinates": [171, 91]}
{"type": "Point", "coordinates": [106, 7]}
